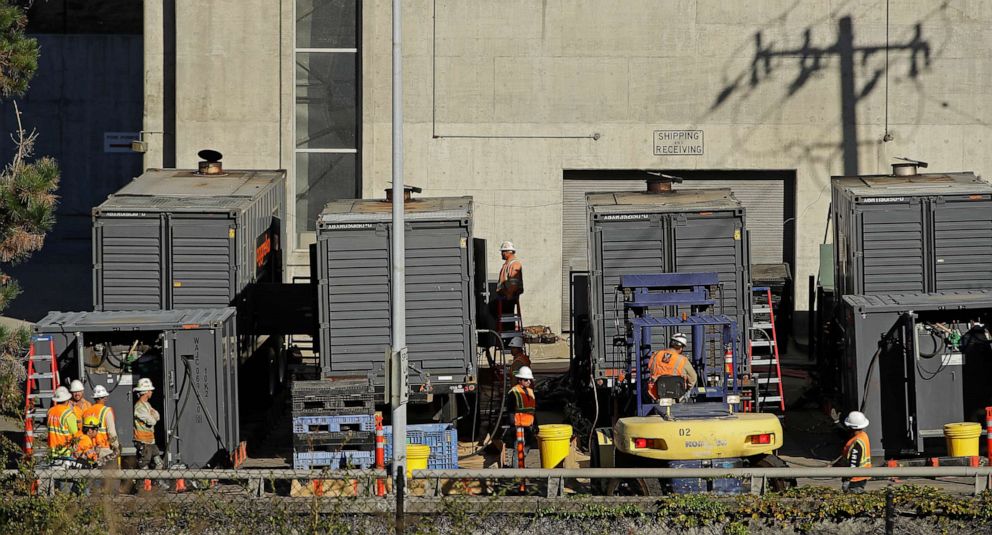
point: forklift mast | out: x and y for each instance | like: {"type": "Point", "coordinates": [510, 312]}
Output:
{"type": "Point", "coordinates": [679, 302]}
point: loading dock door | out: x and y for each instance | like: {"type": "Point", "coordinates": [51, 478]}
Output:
{"type": "Point", "coordinates": [764, 200]}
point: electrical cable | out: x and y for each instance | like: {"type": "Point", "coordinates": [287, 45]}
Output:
{"type": "Point", "coordinates": [502, 404]}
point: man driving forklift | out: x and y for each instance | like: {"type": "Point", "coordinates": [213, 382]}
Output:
{"type": "Point", "coordinates": [671, 370]}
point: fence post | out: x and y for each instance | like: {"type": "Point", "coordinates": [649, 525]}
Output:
{"type": "Point", "coordinates": [890, 513]}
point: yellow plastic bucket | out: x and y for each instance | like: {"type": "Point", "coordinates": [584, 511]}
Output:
{"type": "Point", "coordinates": [553, 441]}
{"type": "Point", "coordinates": [416, 457]}
{"type": "Point", "coordinates": [962, 439]}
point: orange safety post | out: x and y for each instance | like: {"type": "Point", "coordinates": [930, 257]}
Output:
{"type": "Point", "coordinates": [988, 433]}
{"type": "Point", "coordinates": [180, 485]}
{"type": "Point", "coordinates": [380, 455]}
{"type": "Point", "coordinates": [520, 455]}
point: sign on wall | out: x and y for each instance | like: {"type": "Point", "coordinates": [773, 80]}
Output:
{"type": "Point", "coordinates": [678, 142]}
{"type": "Point", "coordinates": [118, 141]}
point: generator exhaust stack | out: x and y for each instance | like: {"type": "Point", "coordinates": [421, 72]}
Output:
{"type": "Point", "coordinates": [408, 192]}
{"type": "Point", "coordinates": [661, 183]}
{"type": "Point", "coordinates": [907, 167]}
{"type": "Point", "coordinates": [210, 162]}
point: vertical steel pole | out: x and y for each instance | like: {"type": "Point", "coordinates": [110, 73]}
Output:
{"type": "Point", "coordinates": [398, 269]}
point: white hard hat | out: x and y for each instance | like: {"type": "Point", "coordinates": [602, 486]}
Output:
{"type": "Point", "coordinates": [680, 338]}
{"type": "Point", "coordinates": [99, 392]}
{"type": "Point", "coordinates": [144, 385]}
{"type": "Point", "coordinates": [76, 386]}
{"type": "Point", "coordinates": [61, 394]}
{"type": "Point", "coordinates": [507, 246]}
{"type": "Point", "coordinates": [524, 373]}
{"type": "Point", "coordinates": [517, 342]}
{"type": "Point", "coordinates": [856, 420]}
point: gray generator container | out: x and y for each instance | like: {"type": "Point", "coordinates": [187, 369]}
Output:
{"type": "Point", "coordinates": [682, 231]}
{"type": "Point", "coordinates": [175, 239]}
{"type": "Point", "coordinates": [907, 393]}
{"type": "Point", "coordinates": [191, 358]}
{"type": "Point", "coordinates": [917, 233]}
{"type": "Point", "coordinates": [353, 270]}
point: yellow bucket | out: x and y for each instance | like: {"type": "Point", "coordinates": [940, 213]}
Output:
{"type": "Point", "coordinates": [416, 457]}
{"type": "Point", "coordinates": [553, 441]}
{"type": "Point", "coordinates": [962, 439]}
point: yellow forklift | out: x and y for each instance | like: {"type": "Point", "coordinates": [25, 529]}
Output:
{"type": "Point", "coordinates": [699, 426]}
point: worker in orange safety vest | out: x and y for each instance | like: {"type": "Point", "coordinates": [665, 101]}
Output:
{"type": "Point", "coordinates": [79, 404]}
{"type": "Point", "coordinates": [63, 427]}
{"type": "Point", "coordinates": [671, 362]}
{"type": "Point", "coordinates": [106, 419]}
{"type": "Point", "coordinates": [857, 451]}
{"type": "Point", "coordinates": [511, 276]}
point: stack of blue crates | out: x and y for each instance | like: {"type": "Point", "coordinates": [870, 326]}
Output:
{"type": "Point", "coordinates": [442, 438]}
{"type": "Point", "coordinates": [333, 425]}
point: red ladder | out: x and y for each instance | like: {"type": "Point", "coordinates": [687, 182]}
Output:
{"type": "Point", "coordinates": [37, 398]}
{"type": "Point", "coordinates": [764, 363]}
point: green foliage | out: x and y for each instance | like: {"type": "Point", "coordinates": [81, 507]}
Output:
{"type": "Point", "coordinates": [18, 53]}
{"type": "Point", "coordinates": [27, 195]}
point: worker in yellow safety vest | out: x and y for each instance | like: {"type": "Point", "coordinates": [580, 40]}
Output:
{"type": "Point", "coordinates": [145, 419]}
{"type": "Point", "coordinates": [63, 427]}
{"type": "Point", "coordinates": [106, 419]}
{"type": "Point", "coordinates": [79, 404]}
{"type": "Point", "coordinates": [857, 451]}
{"type": "Point", "coordinates": [671, 362]}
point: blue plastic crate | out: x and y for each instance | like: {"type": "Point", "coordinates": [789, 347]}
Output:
{"type": "Point", "coordinates": [722, 485]}
{"type": "Point", "coordinates": [334, 424]}
{"type": "Point", "coordinates": [442, 438]}
{"type": "Point", "coordinates": [728, 485]}
{"type": "Point", "coordinates": [687, 485]}
{"type": "Point", "coordinates": [307, 460]}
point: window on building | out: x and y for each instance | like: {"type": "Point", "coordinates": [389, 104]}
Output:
{"type": "Point", "coordinates": [328, 123]}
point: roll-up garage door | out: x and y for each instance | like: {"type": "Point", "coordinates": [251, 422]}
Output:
{"type": "Point", "coordinates": [763, 199]}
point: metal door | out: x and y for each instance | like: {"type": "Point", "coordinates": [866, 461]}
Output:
{"type": "Point", "coordinates": [891, 249]}
{"type": "Point", "coordinates": [962, 237]}
{"type": "Point", "coordinates": [127, 263]}
{"type": "Point", "coordinates": [623, 248]}
{"type": "Point", "coordinates": [354, 299]}
{"type": "Point", "coordinates": [202, 262]}
{"type": "Point", "coordinates": [438, 299]}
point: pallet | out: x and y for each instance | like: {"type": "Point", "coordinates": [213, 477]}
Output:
{"type": "Point", "coordinates": [334, 423]}
{"type": "Point", "coordinates": [442, 439]}
{"type": "Point", "coordinates": [331, 388]}
{"type": "Point", "coordinates": [326, 441]}
{"type": "Point", "coordinates": [332, 405]}
{"type": "Point", "coordinates": [333, 460]}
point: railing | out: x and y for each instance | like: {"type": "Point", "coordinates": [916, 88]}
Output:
{"type": "Point", "coordinates": [436, 483]}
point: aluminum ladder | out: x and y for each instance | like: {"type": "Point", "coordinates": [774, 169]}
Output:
{"type": "Point", "coordinates": [762, 353]}
{"type": "Point", "coordinates": [38, 392]}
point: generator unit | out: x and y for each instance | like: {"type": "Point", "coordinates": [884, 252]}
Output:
{"type": "Point", "coordinates": [183, 239]}
{"type": "Point", "coordinates": [910, 232]}
{"type": "Point", "coordinates": [662, 231]}
{"type": "Point", "coordinates": [191, 358]}
{"type": "Point", "coordinates": [353, 275]}
{"type": "Point", "coordinates": [914, 362]}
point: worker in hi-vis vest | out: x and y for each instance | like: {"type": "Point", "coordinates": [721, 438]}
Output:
{"type": "Point", "coordinates": [671, 362]}
{"type": "Point", "coordinates": [857, 451]}
{"type": "Point", "coordinates": [145, 419]}
{"type": "Point", "coordinates": [521, 405]}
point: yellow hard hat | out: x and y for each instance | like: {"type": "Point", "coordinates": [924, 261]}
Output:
{"type": "Point", "coordinates": [91, 421]}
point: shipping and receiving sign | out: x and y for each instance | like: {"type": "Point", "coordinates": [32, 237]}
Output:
{"type": "Point", "coordinates": [678, 142]}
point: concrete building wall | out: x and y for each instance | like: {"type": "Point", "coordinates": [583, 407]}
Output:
{"type": "Point", "coordinates": [502, 97]}
{"type": "Point", "coordinates": [86, 85]}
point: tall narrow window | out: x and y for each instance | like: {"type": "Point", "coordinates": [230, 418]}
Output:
{"type": "Point", "coordinates": [328, 106]}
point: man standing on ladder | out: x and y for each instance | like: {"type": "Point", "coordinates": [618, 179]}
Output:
{"type": "Point", "coordinates": [509, 285]}
{"type": "Point", "coordinates": [671, 362]}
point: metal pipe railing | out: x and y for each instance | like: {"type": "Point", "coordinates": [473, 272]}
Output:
{"type": "Point", "coordinates": [532, 473]}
